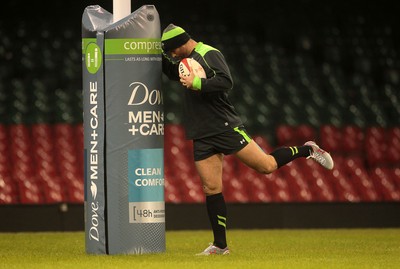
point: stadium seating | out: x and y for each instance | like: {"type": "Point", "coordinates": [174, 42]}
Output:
{"type": "Point", "coordinates": [336, 82]}
{"type": "Point", "coordinates": [42, 163]}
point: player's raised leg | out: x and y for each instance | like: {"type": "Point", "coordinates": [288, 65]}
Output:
{"type": "Point", "coordinates": [253, 156]}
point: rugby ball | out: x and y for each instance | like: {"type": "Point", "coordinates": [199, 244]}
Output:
{"type": "Point", "coordinates": [188, 64]}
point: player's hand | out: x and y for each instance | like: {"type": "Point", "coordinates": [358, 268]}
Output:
{"type": "Point", "coordinates": [187, 81]}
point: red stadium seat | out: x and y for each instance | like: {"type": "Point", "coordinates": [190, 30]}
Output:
{"type": "Point", "coordinates": [234, 183]}
{"type": "Point", "coordinates": [320, 186]}
{"type": "Point", "coordinates": [190, 189]}
{"type": "Point", "coordinates": [285, 135]}
{"type": "Point", "coordinates": [395, 175]}
{"type": "Point", "coordinates": [331, 138]}
{"type": "Point", "coordinates": [237, 196]}
{"type": "Point", "coordinates": [364, 186]}
{"type": "Point", "coordinates": [279, 188]}
{"type": "Point", "coordinates": [172, 193]}
{"type": "Point", "coordinates": [393, 146]}
{"type": "Point", "coordinates": [345, 191]}
{"type": "Point", "coordinates": [8, 191]}
{"type": "Point", "coordinates": [42, 131]}
{"type": "Point", "coordinates": [74, 189]}
{"type": "Point", "coordinates": [19, 131]}
{"type": "Point", "coordinates": [383, 181]}
{"type": "Point", "coordinates": [30, 192]}
{"type": "Point", "coordinates": [230, 167]}
{"type": "Point", "coordinates": [193, 196]}
{"type": "Point", "coordinates": [54, 192]}
{"type": "Point", "coordinates": [352, 140]}
{"type": "Point", "coordinates": [235, 190]}
{"type": "Point", "coordinates": [298, 185]}
{"type": "Point", "coordinates": [79, 145]}
{"type": "Point", "coordinates": [257, 190]}
{"type": "Point", "coordinates": [375, 146]}
{"type": "Point", "coordinates": [305, 133]}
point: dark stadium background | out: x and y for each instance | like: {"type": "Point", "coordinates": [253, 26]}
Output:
{"type": "Point", "coordinates": [323, 70]}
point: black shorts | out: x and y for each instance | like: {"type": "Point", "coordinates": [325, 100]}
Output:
{"type": "Point", "coordinates": [227, 143]}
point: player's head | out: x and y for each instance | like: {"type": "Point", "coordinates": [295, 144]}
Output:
{"type": "Point", "coordinates": [173, 37]}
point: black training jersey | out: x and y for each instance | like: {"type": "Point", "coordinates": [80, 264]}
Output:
{"type": "Point", "coordinates": [207, 111]}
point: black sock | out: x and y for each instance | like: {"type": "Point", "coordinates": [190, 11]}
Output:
{"type": "Point", "coordinates": [287, 154]}
{"type": "Point", "coordinates": [216, 209]}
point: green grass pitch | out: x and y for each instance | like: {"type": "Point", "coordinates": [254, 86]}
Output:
{"type": "Point", "coordinates": [309, 248]}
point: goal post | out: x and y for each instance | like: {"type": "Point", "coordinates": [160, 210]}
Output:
{"type": "Point", "coordinates": [123, 132]}
{"type": "Point", "coordinates": [121, 9]}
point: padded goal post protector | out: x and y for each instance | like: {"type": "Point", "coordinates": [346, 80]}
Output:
{"type": "Point", "coordinates": [123, 132]}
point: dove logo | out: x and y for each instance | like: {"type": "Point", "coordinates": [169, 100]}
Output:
{"type": "Point", "coordinates": [141, 94]}
{"type": "Point", "coordinates": [93, 189]}
{"type": "Point", "coordinates": [94, 161]}
{"type": "Point", "coordinates": [94, 231]}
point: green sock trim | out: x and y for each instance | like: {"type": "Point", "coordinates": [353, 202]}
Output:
{"type": "Point", "coordinates": [294, 150]}
{"type": "Point", "coordinates": [221, 221]}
